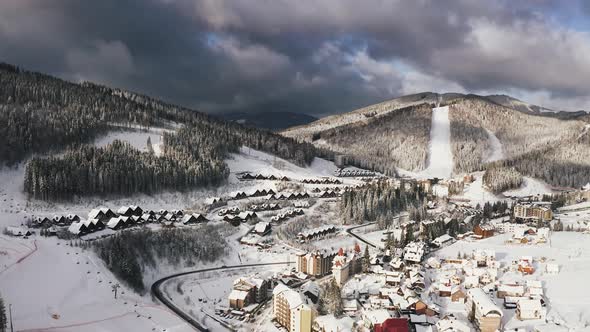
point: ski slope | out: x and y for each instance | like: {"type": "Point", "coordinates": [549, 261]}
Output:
{"type": "Point", "coordinates": [440, 157]}
{"type": "Point", "coordinates": [497, 149]}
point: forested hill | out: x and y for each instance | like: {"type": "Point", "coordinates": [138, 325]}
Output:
{"type": "Point", "coordinates": [396, 134]}
{"type": "Point", "coordinates": [40, 113]}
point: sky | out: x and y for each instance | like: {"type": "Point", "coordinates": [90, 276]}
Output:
{"type": "Point", "coordinates": [317, 57]}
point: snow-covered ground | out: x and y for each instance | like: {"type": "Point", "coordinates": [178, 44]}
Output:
{"type": "Point", "coordinates": [476, 193]}
{"type": "Point", "coordinates": [497, 149]}
{"type": "Point", "coordinates": [440, 157]}
{"type": "Point", "coordinates": [529, 187]}
{"type": "Point", "coordinates": [135, 137]}
{"type": "Point", "coordinates": [566, 292]}
{"type": "Point", "coordinates": [64, 288]}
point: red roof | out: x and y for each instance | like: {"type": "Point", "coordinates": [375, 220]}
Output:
{"type": "Point", "coordinates": [393, 325]}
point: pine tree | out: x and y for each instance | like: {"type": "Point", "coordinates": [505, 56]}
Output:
{"type": "Point", "coordinates": [3, 317]}
{"type": "Point", "coordinates": [366, 260]}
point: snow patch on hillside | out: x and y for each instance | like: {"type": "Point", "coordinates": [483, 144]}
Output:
{"type": "Point", "coordinates": [476, 193]}
{"type": "Point", "coordinates": [497, 149]}
{"type": "Point", "coordinates": [137, 138]}
{"type": "Point", "coordinates": [440, 158]}
{"type": "Point", "coordinates": [529, 187]}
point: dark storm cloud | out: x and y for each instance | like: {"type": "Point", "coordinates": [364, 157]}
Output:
{"type": "Point", "coordinates": [318, 57]}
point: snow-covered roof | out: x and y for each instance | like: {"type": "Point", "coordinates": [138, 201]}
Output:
{"type": "Point", "coordinates": [483, 303]}
{"type": "Point", "coordinates": [529, 305]}
{"type": "Point", "coordinates": [452, 325]}
{"type": "Point", "coordinates": [261, 227]}
{"type": "Point", "coordinates": [292, 297]}
{"type": "Point", "coordinates": [377, 316]}
{"type": "Point", "coordinates": [443, 239]}
{"type": "Point", "coordinates": [237, 295]}
{"type": "Point", "coordinates": [17, 230]}
{"type": "Point", "coordinates": [75, 227]}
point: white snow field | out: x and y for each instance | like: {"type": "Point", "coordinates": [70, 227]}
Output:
{"type": "Point", "coordinates": [497, 149]}
{"type": "Point", "coordinates": [529, 187]}
{"type": "Point", "coordinates": [440, 157]}
{"type": "Point", "coordinates": [566, 292]}
{"type": "Point", "coordinates": [60, 288]}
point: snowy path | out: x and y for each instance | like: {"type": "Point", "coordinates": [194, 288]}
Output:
{"type": "Point", "coordinates": [497, 150]}
{"type": "Point", "coordinates": [440, 157]}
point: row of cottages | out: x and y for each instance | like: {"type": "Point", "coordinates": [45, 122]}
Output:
{"type": "Point", "coordinates": [262, 192]}
{"type": "Point", "coordinates": [241, 217]}
{"type": "Point", "coordinates": [322, 181]}
{"type": "Point", "coordinates": [265, 207]}
{"type": "Point", "coordinates": [317, 263]}
{"type": "Point", "coordinates": [86, 226]}
{"type": "Point", "coordinates": [328, 194]}
{"type": "Point", "coordinates": [532, 212]}
{"type": "Point", "coordinates": [231, 210]}
{"type": "Point", "coordinates": [292, 310]}
{"type": "Point", "coordinates": [56, 220]}
{"type": "Point", "coordinates": [316, 232]}
{"type": "Point", "coordinates": [193, 218]}
{"type": "Point", "coordinates": [18, 231]}
{"type": "Point", "coordinates": [123, 222]}
{"type": "Point", "coordinates": [485, 314]}
{"type": "Point", "coordinates": [130, 210]}
{"type": "Point", "coordinates": [247, 291]}
{"type": "Point", "coordinates": [287, 215]}
{"type": "Point", "coordinates": [353, 172]}
{"type": "Point", "coordinates": [345, 265]}
{"type": "Point", "coordinates": [249, 176]}
{"type": "Point", "coordinates": [289, 196]}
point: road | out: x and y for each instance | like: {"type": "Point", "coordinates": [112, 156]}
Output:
{"type": "Point", "coordinates": [351, 233]}
{"type": "Point", "coordinates": [157, 292]}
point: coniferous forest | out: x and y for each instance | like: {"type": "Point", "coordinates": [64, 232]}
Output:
{"type": "Point", "coordinates": [381, 200]}
{"type": "Point", "coordinates": [44, 114]}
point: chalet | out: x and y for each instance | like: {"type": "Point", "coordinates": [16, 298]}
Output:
{"type": "Point", "coordinates": [78, 228]}
{"type": "Point", "coordinates": [525, 265]}
{"type": "Point", "coordinates": [170, 216]}
{"type": "Point", "coordinates": [483, 231]}
{"type": "Point", "coordinates": [148, 217]}
{"type": "Point", "coordinates": [232, 210]}
{"type": "Point", "coordinates": [195, 218]}
{"type": "Point", "coordinates": [262, 228]}
{"type": "Point", "coordinates": [72, 218]}
{"type": "Point", "coordinates": [414, 252]}
{"type": "Point", "coordinates": [42, 222]}
{"type": "Point", "coordinates": [126, 211]}
{"type": "Point", "coordinates": [530, 309]}
{"type": "Point", "coordinates": [328, 194]}
{"type": "Point", "coordinates": [260, 177]}
{"type": "Point", "coordinates": [284, 178]}
{"type": "Point", "coordinates": [487, 316]}
{"type": "Point", "coordinates": [213, 201]}
{"type": "Point", "coordinates": [247, 215]}
{"type": "Point", "coordinates": [17, 231]}
{"type": "Point", "coordinates": [238, 195]}
{"type": "Point", "coordinates": [60, 220]}
{"type": "Point", "coordinates": [247, 176]}
{"type": "Point", "coordinates": [116, 223]}
{"type": "Point", "coordinates": [102, 213]}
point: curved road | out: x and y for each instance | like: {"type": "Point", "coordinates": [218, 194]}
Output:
{"type": "Point", "coordinates": [351, 233]}
{"type": "Point", "coordinates": [190, 320]}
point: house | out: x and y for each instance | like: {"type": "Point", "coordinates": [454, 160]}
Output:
{"type": "Point", "coordinates": [414, 252]}
{"type": "Point", "coordinates": [72, 218]}
{"type": "Point", "coordinates": [393, 325]}
{"type": "Point", "coordinates": [18, 231]}
{"type": "Point", "coordinates": [458, 295]}
{"type": "Point", "coordinates": [316, 232]}
{"type": "Point", "coordinates": [291, 310]}
{"type": "Point", "coordinates": [525, 265]}
{"type": "Point", "coordinates": [483, 231]}
{"type": "Point", "coordinates": [60, 220]}
{"type": "Point", "coordinates": [442, 240]}
{"type": "Point", "coordinates": [375, 318]}
{"type": "Point", "coordinates": [451, 324]}
{"type": "Point", "coordinates": [262, 228]}
{"type": "Point", "coordinates": [486, 315]}
{"type": "Point", "coordinates": [510, 290]}
{"type": "Point", "coordinates": [530, 309]}
{"type": "Point", "coordinates": [78, 228]}
{"type": "Point", "coordinates": [102, 214]}
{"type": "Point", "coordinates": [116, 223]}
{"type": "Point", "coordinates": [552, 268]}
{"type": "Point", "coordinates": [195, 218]}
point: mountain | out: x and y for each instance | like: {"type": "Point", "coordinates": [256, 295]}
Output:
{"type": "Point", "coordinates": [41, 116]}
{"type": "Point", "coordinates": [269, 120]}
{"type": "Point", "coordinates": [396, 134]}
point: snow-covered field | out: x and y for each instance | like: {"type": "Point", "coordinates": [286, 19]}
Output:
{"type": "Point", "coordinates": [529, 187]}
{"type": "Point", "coordinates": [62, 288]}
{"type": "Point", "coordinates": [566, 292]}
{"type": "Point", "coordinates": [440, 157]}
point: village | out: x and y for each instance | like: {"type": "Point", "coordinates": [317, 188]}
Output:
{"type": "Point", "coordinates": [447, 272]}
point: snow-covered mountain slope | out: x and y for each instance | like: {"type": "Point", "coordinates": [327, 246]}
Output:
{"type": "Point", "coordinates": [385, 138]}
{"type": "Point", "coordinates": [440, 157]}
